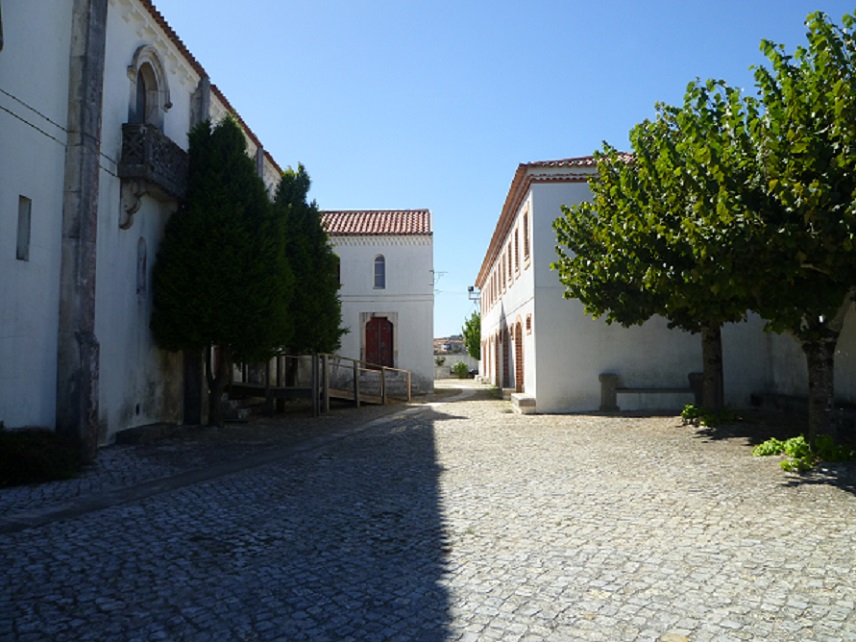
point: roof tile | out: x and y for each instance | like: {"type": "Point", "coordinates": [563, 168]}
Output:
{"type": "Point", "coordinates": [376, 222]}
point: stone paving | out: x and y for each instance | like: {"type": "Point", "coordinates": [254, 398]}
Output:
{"type": "Point", "coordinates": [454, 520]}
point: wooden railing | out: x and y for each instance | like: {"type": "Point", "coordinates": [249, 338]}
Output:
{"type": "Point", "coordinates": [331, 377]}
{"type": "Point", "coordinates": [361, 381]}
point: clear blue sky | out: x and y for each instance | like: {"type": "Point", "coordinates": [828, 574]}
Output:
{"type": "Point", "coordinates": [433, 103]}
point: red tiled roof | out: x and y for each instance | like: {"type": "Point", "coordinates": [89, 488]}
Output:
{"type": "Point", "coordinates": [579, 161]}
{"type": "Point", "coordinates": [374, 222]}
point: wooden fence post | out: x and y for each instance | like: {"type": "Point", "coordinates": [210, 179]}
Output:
{"type": "Point", "coordinates": [315, 387]}
{"type": "Point", "coordinates": [325, 364]}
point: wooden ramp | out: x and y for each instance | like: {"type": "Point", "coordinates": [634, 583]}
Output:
{"type": "Point", "coordinates": [332, 377]}
{"type": "Point", "coordinates": [348, 395]}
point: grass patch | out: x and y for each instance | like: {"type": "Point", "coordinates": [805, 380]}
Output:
{"type": "Point", "coordinates": [33, 455]}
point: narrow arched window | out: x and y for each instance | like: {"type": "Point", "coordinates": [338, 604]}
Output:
{"type": "Point", "coordinates": [380, 272]}
{"type": "Point", "coordinates": [149, 98]}
{"type": "Point", "coordinates": [139, 115]}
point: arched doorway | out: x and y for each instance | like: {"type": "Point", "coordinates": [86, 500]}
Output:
{"type": "Point", "coordinates": [497, 364]}
{"type": "Point", "coordinates": [506, 351]}
{"type": "Point", "coordinates": [379, 345]}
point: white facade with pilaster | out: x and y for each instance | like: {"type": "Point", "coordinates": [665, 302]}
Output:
{"type": "Point", "coordinates": [558, 353]}
{"type": "Point", "coordinates": [137, 383]}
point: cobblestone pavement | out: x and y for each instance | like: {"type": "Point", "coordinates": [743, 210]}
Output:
{"type": "Point", "coordinates": [455, 520]}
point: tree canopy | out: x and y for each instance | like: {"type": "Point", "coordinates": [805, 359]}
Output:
{"type": "Point", "coordinates": [733, 203]}
{"type": "Point", "coordinates": [805, 141]}
{"type": "Point", "coordinates": [471, 334]}
{"type": "Point", "coordinates": [649, 242]}
{"type": "Point", "coordinates": [221, 277]}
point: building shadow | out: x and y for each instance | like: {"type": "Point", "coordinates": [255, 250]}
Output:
{"type": "Point", "coordinates": [361, 538]}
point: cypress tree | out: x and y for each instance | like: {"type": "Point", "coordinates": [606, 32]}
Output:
{"type": "Point", "coordinates": [221, 278]}
{"type": "Point", "coordinates": [315, 306]}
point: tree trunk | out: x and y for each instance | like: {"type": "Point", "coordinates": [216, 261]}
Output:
{"type": "Point", "coordinates": [291, 364]}
{"type": "Point", "coordinates": [820, 357]}
{"type": "Point", "coordinates": [819, 350]}
{"type": "Point", "coordinates": [193, 377]}
{"type": "Point", "coordinates": [713, 394]}
{"type": "Point", "coordinates": [219, 375]}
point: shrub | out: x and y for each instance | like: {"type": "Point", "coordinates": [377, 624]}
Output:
{"type": "Point", "coordinates": [800, 456]}
{"type": "Point", "coordinates": [460, 369]}
{"type": "Point", "coordinates": [32, 455]}
{"type": "Point", "coordinates": [439, 361]}
{"type": "Point", "coordinates": [699, 416]}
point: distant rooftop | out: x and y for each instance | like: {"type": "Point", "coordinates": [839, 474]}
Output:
{"type": "Point", "coordinates": [375, 222]}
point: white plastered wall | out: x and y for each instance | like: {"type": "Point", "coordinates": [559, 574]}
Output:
{"type": "Point", "coordinates": [572, 349]}
{"type": "Point", "coordinates": [139, 383]}
{"type": "Point", "coordinates": [407, 300]}
{"type": "Point", "coordinates": [34, 67]}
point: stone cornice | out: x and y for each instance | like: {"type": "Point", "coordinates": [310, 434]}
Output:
{"type": "Point", "coordinates": [379, 240]}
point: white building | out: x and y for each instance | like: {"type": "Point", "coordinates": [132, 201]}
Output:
{"type": "Point", "coordinates": [553, 355]}
{"type": "Point", "coordinates": [386, 271]}
{"type": "Point", "coordinates": [93, 133]}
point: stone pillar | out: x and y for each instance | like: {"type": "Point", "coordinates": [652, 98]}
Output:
{"type": "Point", "coordinates": [260, 162]}
{"type": "Point", "coordinates": [78, 348]}
{"type": "Point", "coordinates": [201, 110]}
{"type": "Point", "coordinates": [608, 392]}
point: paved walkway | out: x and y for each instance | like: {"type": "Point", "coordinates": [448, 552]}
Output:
{"type": "Point", "coordinates": [455, 520]}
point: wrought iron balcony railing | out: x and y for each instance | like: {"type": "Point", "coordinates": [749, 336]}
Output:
{"type": "Point", "coordinates": [152, 164]}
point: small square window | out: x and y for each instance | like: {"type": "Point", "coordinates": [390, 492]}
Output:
{"type": "Point", "coordinates": [25, 206]}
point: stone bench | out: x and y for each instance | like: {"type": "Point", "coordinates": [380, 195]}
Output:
{"type": "Point", "coordinates": [610, 388]}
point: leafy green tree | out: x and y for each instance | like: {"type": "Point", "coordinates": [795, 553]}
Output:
{"type": "Point", "coordinates": [805, 136]}
{"type": "Point", "coordinates": [651, 242]}
{"type": "Point", "coordinates": [221, 278]}
{"type": "Point", "coordinates": [471, 334]}
{"type": "Point", "coordinates": [315, 305]}
{"type": "Point", "coordinates": [765, 192]}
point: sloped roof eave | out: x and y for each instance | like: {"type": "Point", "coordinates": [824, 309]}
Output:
{"type": "Point", "coordinates": [520, 185]}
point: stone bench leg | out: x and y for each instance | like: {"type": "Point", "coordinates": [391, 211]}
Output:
{"type": "Point", "coordinates": [608, 392]}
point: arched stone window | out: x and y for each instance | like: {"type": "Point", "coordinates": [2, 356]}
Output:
{"type": "Point", "coordinates": [149, 89]}
{"type": "Point", "coordinates": [380, 272]}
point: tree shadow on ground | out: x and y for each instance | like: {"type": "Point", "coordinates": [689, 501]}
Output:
{"type": "Point", "coordinates": [756, 426]}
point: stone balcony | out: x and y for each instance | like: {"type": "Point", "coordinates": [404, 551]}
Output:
{"type": "Point", "coordinates": [151, 163]}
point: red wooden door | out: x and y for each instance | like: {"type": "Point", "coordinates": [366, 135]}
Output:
{"type": "Point", "coordinates": [379, 341]}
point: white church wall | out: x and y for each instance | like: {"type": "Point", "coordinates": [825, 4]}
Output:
{"type": "Point", "coordinates": [33, 116]}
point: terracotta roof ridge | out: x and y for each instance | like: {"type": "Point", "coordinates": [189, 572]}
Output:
{"type": "Point", "coordinates": [370, 211]}
{"type": "Point", "coordinates": [378, 222]}
{"type": "Point", "coordinates": [575, 161]}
